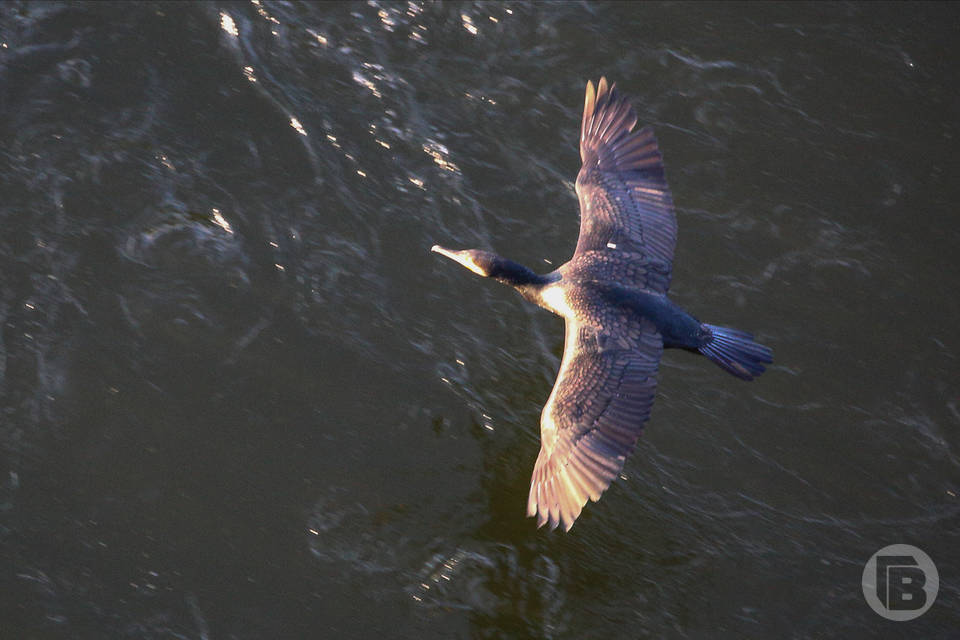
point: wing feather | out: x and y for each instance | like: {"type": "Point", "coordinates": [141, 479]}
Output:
{"type": "Point", "coordinates": [625, 203]}
{"type": "Point", "coordinates": [592, 421]}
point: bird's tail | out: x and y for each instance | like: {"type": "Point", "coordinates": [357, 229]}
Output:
{"type": "Point", "coordinates": [735, 351]}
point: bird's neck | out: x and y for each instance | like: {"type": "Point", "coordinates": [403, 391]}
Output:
{"type": "Point", "coordinates": [517, 276]}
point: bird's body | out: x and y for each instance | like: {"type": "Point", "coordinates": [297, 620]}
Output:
{"type": "Point", "coordinates": [612, 295]}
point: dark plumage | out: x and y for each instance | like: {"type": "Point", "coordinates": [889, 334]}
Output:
{"type": "Point", "coordinates": [612, 295]}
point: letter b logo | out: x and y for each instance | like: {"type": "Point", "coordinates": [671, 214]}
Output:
{"type": "Point", "coordinates": [900, 582]}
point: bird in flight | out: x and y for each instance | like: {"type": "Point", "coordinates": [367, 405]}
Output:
{"type": "Point", "coordinates": [612, 295]}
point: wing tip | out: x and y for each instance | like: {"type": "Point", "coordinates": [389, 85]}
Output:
{"type": "Point", "coordinates": [589, 102]}
{"type": "Point", "coordinates": [559, 494]}
{"type": "Point", "coordinates": [605, 132]}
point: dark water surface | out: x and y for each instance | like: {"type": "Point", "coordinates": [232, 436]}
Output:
{"type": "Point", "coordinates": [241, 399]}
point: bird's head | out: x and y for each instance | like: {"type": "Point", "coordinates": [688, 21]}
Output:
{"type": "Point", "coordinates": [490, 265]}
{"type": "Point", "coordinates": [482, 263]}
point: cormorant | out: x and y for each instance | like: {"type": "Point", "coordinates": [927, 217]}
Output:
{"type": "Point", "coordinates": [612, 295]}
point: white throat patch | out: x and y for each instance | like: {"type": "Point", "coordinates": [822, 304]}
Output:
{"type": "Point", "coordinates": [470, 264]}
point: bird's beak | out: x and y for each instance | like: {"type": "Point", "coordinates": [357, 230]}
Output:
{"type": "Point", "coordinates": [444, 252]}
{"type": "Point", "coordinates": [462, 257]}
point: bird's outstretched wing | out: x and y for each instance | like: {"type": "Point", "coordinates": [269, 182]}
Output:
{"type": "Point", "coordinates": [591, 423]}
{"type": "Point", "coordinates": [625, 203]}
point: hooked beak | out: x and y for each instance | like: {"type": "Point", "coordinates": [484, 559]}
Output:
{"type": "Point", "coordinates": [461, 257]}
{"type": "Point", "coordinates": [444, 252]}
